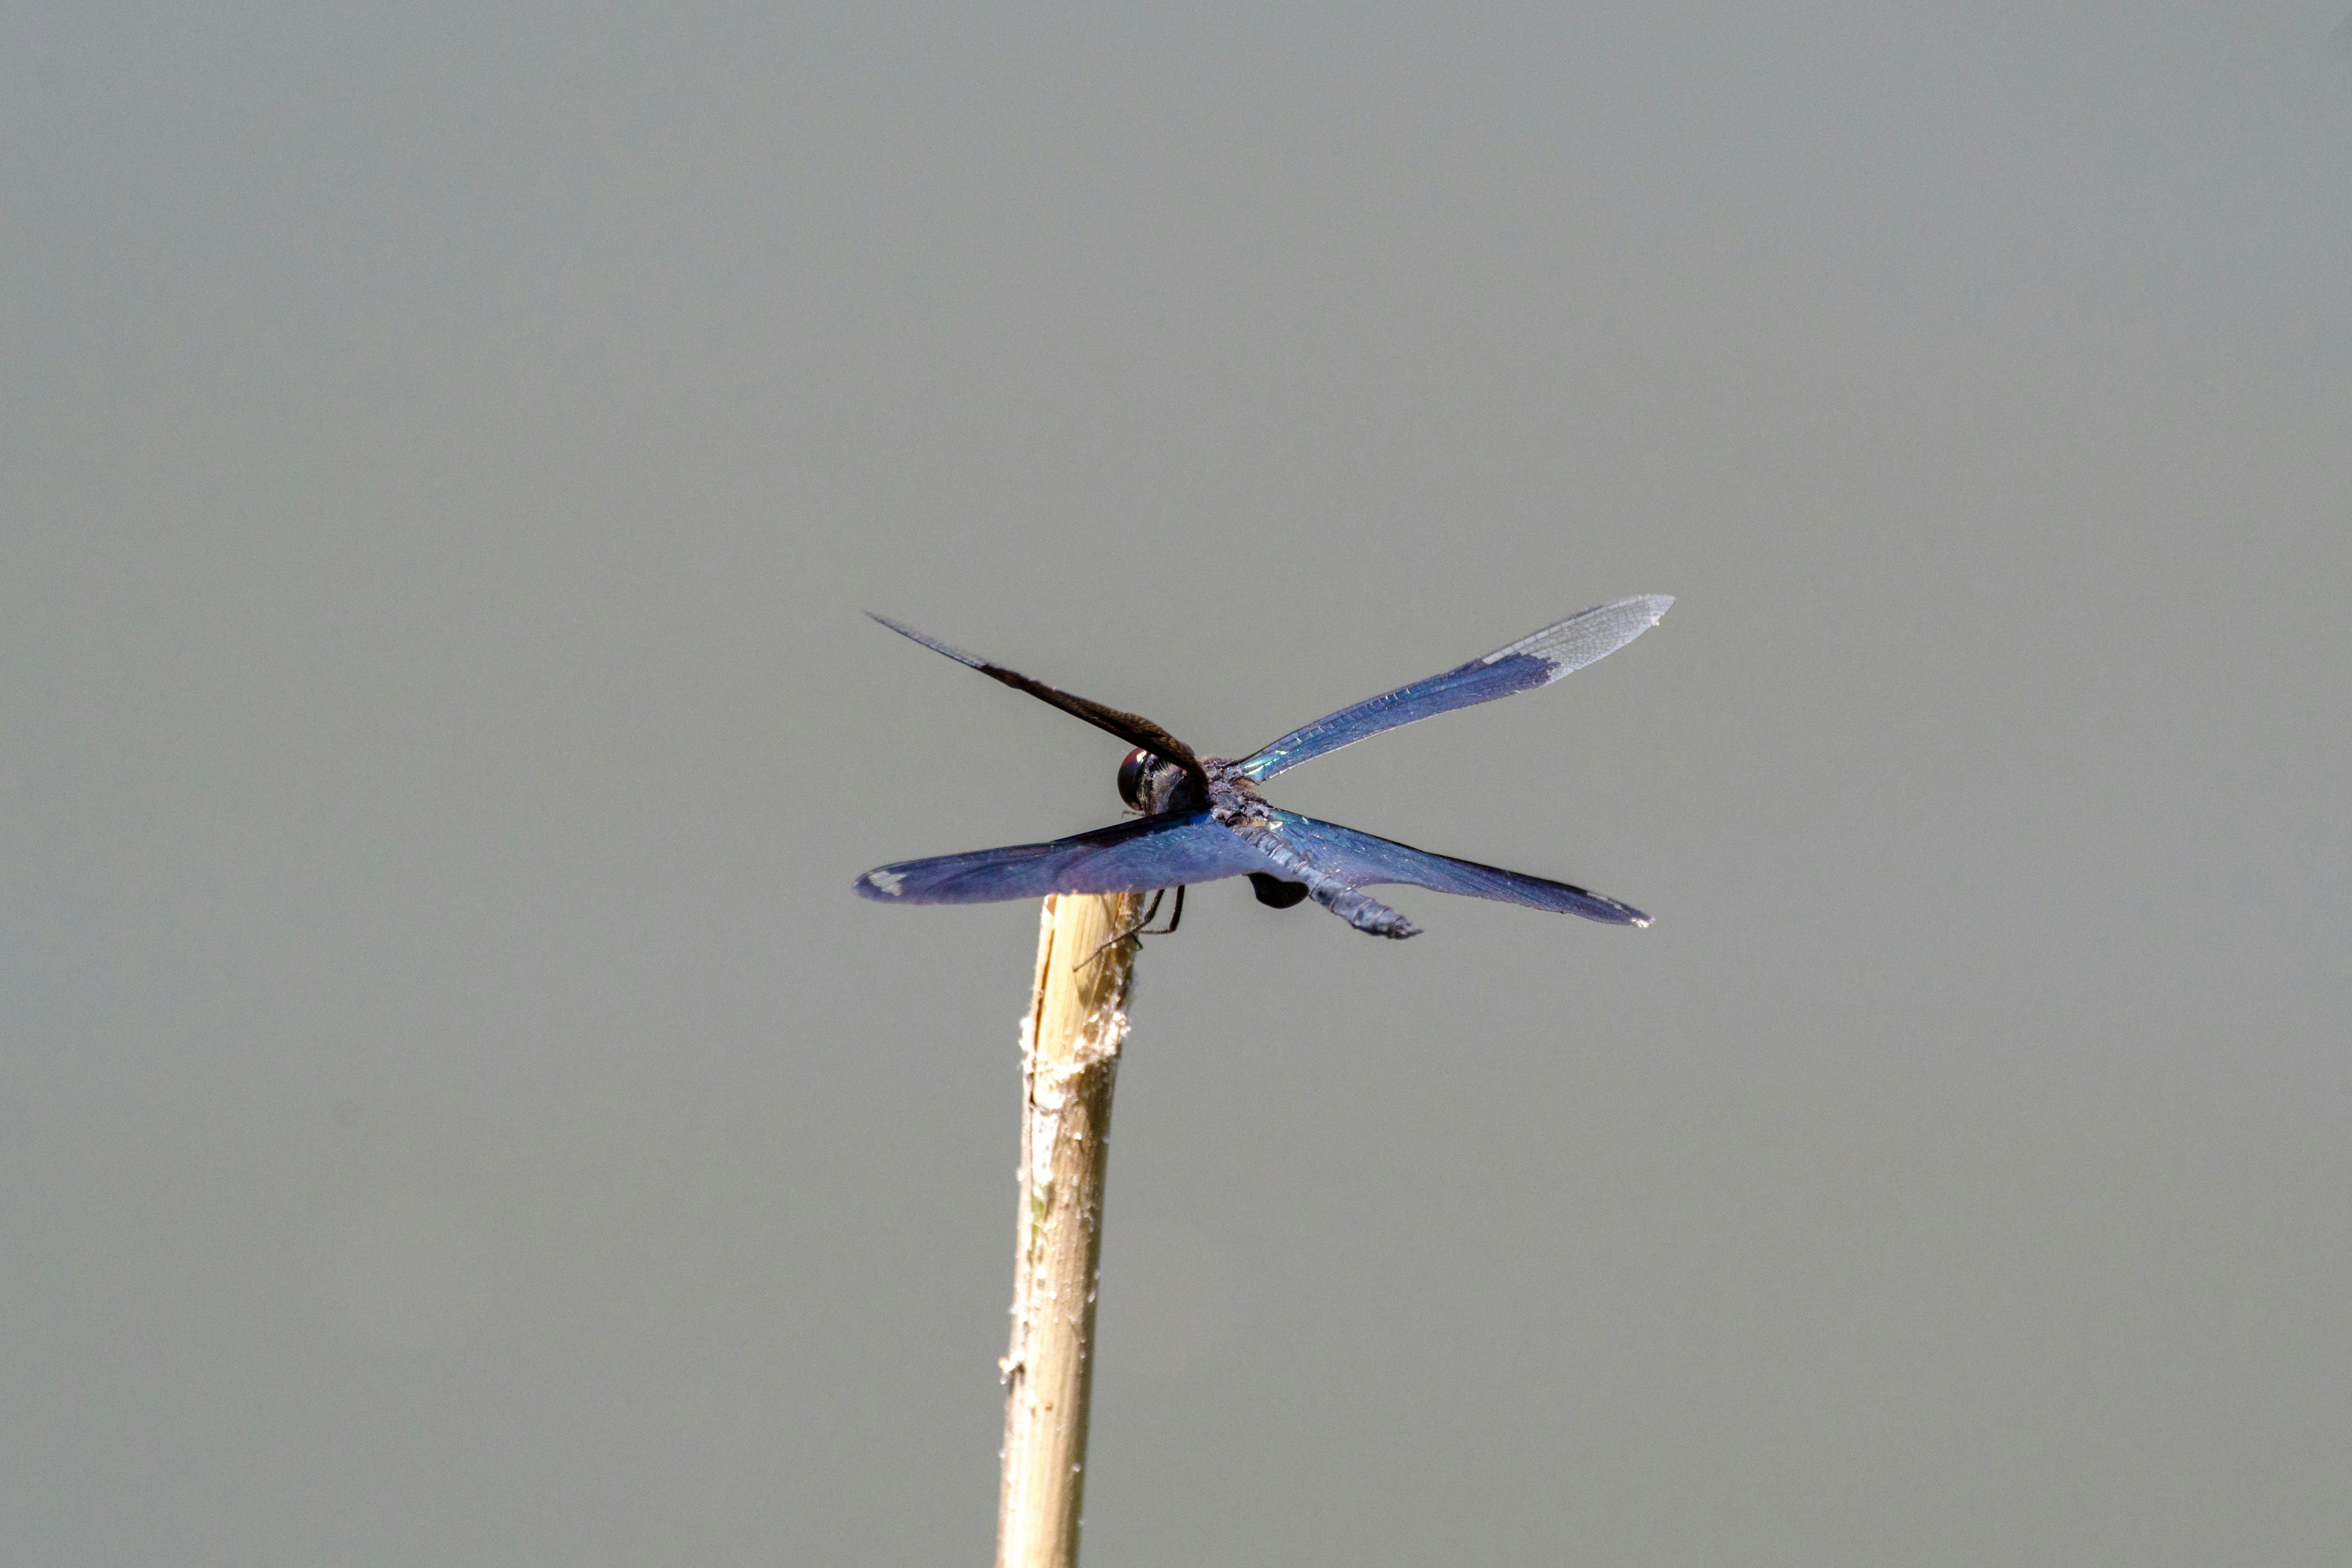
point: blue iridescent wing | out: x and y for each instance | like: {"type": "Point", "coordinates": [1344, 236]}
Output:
{"type": "Point", "coordinates": [1131, 856]}
{"type": "Point", "coordinates": [1132, 728]}
{"type": "Point", "coordinates": [1357, 859]}
{"type": "Point", "coordinates": [1534, 660]}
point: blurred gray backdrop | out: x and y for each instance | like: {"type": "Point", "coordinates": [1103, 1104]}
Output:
{"type": "Point", "coordinates": [453, 1110]}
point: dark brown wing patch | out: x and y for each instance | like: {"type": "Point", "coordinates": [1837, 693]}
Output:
{"type": "Point", "coordinates": [1132, 728]}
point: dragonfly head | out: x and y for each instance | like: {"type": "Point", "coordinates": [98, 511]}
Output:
{"type": "Point", "coordinates": [1133, 774]}
{"type": "Point", "coordinates": [1152, 784]}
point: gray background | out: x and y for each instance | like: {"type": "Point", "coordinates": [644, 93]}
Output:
{"type": "Point", "coordinates": [454, 1112]}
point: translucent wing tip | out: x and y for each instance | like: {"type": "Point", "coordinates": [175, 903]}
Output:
{"type": "Point", "coordinates": [904, 630]}
{"type": "Point", "coordinates": [1614, 911]}
{"type": "Point", "coordinates": [1640, 612]}
{"type": "Point", "coordinates": [1590, 635]}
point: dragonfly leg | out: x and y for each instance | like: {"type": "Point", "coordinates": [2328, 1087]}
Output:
{"type": "Point", "coordinates": [1173, 921]}
{"type": "Point", "coordinates": [1136, 932]}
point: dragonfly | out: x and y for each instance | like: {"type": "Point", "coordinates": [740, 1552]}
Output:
{"type": "Point", "coordinates": [1200, 819]}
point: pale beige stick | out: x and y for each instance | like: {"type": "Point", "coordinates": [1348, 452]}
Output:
{"type": "Point", "coordinates": [1078, 1018]}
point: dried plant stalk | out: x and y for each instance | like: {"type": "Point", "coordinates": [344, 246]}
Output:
{"type": "Point", "coordinates": [1077, 1019]}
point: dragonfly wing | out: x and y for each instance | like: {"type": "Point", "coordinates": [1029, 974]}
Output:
{"type": "Point", "coordinates": [1359, 859]}
{"type": "Point", "coordinates": [1534, 660]}
{"type": "Point", "coordinates": [1132, 728]}
{"type": "Point", "coordinates": [1131, 857]}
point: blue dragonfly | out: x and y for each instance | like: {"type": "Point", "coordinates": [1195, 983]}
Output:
{"type": "Point", "coordinates": [1203, 818]}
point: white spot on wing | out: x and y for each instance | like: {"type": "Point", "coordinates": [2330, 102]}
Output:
{"type": "Point", "coordinates": [889, 881]}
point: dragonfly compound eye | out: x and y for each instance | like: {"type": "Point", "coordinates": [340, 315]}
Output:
{"type": "Point", "coordinates": [1131, 775]}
